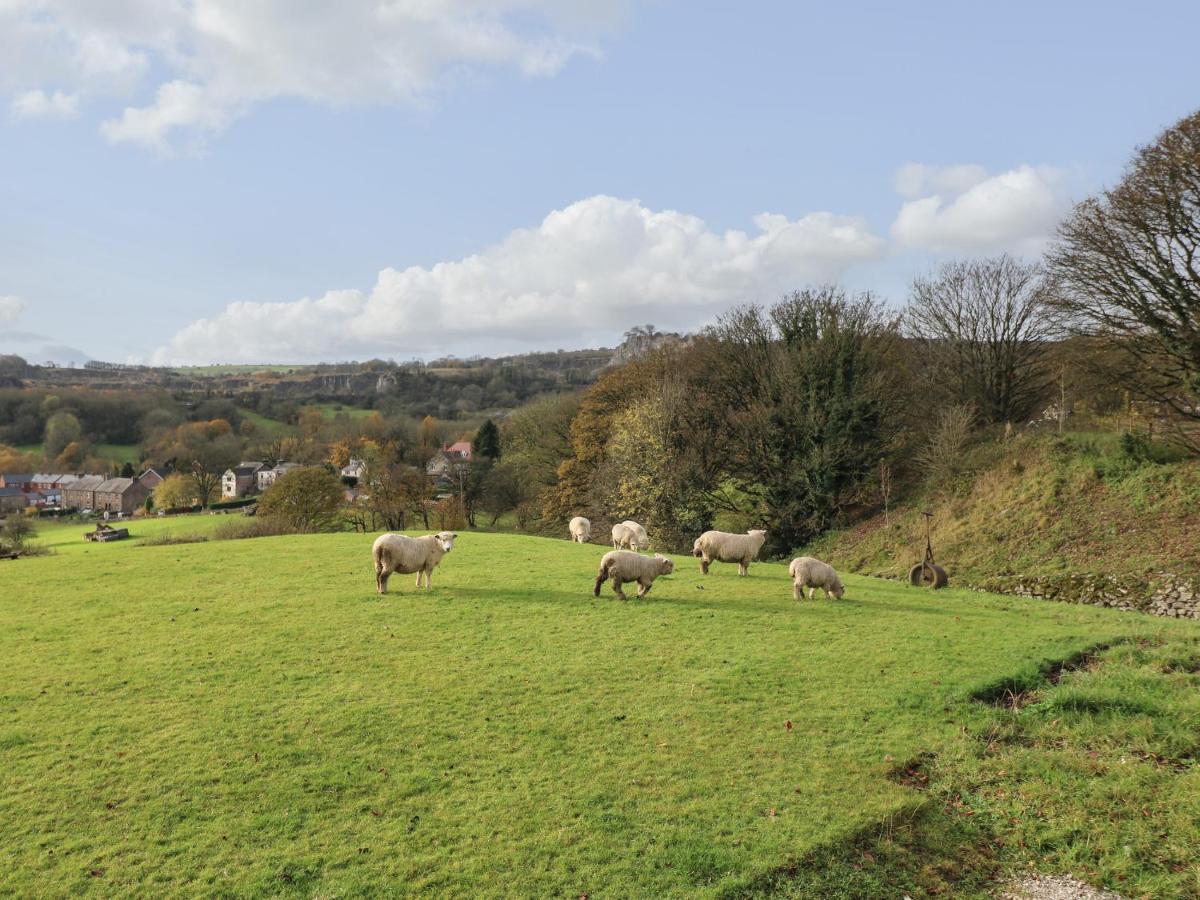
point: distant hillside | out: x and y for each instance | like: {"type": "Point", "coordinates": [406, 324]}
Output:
{"type": "Point", "coordinates": [1041, 505]}
{"type": "Point", "coordinates": [445, 388]}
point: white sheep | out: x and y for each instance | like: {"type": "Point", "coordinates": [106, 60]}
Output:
{"type": "Point", "coordinates": [623, 566]}
{"type": "Point", "coordinates": [580, 529]}
{"type": "Point", "coordinates": [725, 547]}
{"type": "Point", "coordinates": [403, 554]}
{"type": "Point", "coordinates": [629, 534]}
{"type": "Point", "coordinates": [811, 573]}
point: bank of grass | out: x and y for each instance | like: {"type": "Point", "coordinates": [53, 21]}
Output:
{"type": "Point", "coordinates": [268, 427]}
{"type": "Point", "coordinates": [249, 718]}
{"type": "Point", "coordinates": [1040, 504]}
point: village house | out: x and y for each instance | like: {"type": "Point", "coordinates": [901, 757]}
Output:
{"type": "Point", "coordinates": [154, 476]}
{"type": "Point", "coordinates": [12, 498]}
{"type": "Point", "coordinates": [22, 481]}
{"type": "Point", "coordinates": [266, 477]}
{"type": "Point", "coordinates": [120, 495]}
{"type": "Point", "coordinates": [447, 457]}
{"type": "Point", "coordinates": [49, 481]}
{"type": "Point", "coordinates": [81, 493]}
{"type": "Point", "coordinates": [356, 469]}
{"type": "Point", "coordinates": [240, 480]}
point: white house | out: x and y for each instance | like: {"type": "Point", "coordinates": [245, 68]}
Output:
{"type": "Point", "coordinates": [356, 468]}
{"type": "Point", "coordinates": [266, 477]}
{"type": "Point", "coordinates": [240, 480]}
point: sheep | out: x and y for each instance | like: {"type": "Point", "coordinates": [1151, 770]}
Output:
{"type": "Point", "coordinates": [629, 534]}
{"type": "Point", "coordinates": [725, 547]}
{"type": "Point", "coordinates": [403, 554]}
{"type": "Point", "coordinates": [580, 529]}
{"type": "Point", "coordinates": [623, 566]}
{"type": "Point", "coordinates": [811, 573]}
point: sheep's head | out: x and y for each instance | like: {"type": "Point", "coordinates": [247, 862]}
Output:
{"type": "Point", "coordinates": [446, 540]}
{"type": "Point", "coordinates": [759, 533]}
{"type": "Point", "coordinates": [666, 566]}
{"type": "Point", "coordinates": [839, 589]}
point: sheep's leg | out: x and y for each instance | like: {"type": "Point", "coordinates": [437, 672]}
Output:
{"type": "Point", "coordinates": [381, 580]}
{"type": "Point", "coordinates": [812, 592]}
{"type": "Point", "coordinates": [797, 591]}
{"type": "Point", "coordinates": [428, 578]}
{"type": "Point", "coordinates": [743, 567]}
{"type": "Point", "coordinates": [644, 587]}
{"type": "Point", "coordinates": [704, 564]}
{"type": "Point", "coordinates": [617, 588]}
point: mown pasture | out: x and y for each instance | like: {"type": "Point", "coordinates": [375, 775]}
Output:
{"type": "Point", "coordinates": [250, 718]}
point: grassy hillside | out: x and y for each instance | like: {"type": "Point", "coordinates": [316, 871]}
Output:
{"type": "Point", "coordinates": [249, 718]}
{"type": "Point", "coordinates": [1042, 505]}
{"type": "Point", "coordinates": [121, 453]}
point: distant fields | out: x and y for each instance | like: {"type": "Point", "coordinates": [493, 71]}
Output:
{"type": "Point", "coordinates": [121, 453]}
{"type": "Point", "coordinates": [250, 718]}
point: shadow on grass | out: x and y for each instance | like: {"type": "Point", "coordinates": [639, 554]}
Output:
{"type": "Point", "coordinates": [1017, 690]}
{"type": "Point", "coordinates": [926, 849]}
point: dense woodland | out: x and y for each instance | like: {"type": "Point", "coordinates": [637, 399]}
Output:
{"type": "Point", "coordinates": [797, 415]}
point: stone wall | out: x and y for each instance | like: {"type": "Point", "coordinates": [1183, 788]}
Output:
{"type": "Point", "coordinates": [1162, 594]}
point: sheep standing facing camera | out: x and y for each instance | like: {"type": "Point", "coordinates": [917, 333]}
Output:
{"type": "Point", "coordinates": [722, 546]}
{"type": "Point", "coordinates": [623, 566]}
{"type": "Point", "coordinates": [811, 573]}
{"type": "Point", "coordinates": [404, 554]}
{"type": "Point", "coordinates": [580, 530]}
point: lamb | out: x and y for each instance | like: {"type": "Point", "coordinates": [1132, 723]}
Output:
{"type": "Point", "coordinates": [811, 573]}
{"type": "Point", "coordinates": [623, 566]}
{"type": "Point", "coordinates": [403, 554]}
{"type": "Point", "coordinates": [725, 547]}
{"type": "Point", "coordinates": [580, 529]}
{"type": "Point", "coordinates": [629, 534]}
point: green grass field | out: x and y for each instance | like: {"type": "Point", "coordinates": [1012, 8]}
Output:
{"type": "Point", "coordinates": [248, 718]}
{"type": "Point", "coordinates": [121, 453]}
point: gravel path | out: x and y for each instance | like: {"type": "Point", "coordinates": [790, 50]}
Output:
{"type": "Point", "coordinates": [1054, 887]}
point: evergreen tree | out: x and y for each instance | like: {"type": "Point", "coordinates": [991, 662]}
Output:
{"type": "Point", "coordinates": [487, 441]}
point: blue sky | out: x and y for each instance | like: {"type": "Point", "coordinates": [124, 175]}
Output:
{"type": "Point", "coordinates": [219, 181]}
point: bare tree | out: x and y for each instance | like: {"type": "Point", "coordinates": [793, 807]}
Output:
{"type": "Point", "coordinates": [1128, 271]}
{"type": "Point", "coordinates": [208, 483]}
{"type": "Point", "coordinates": [985, 325]}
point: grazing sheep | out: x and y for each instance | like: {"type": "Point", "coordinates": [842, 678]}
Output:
{"type": "Point", "coordinates": [403, 554]}
{"type": "Point", "coordinates": [623, 566]}
{"type": "Point", "coordinates": [811, 573]}
{"type": "Point", "coordinates": [581, 530]}
{"type": "Point", "coordinates": [629, 534]}
{"type": "Point", "coordinates": [725, 547]}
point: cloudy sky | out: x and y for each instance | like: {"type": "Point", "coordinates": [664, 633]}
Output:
{"type": "Point", "coordinates": [195, 181]}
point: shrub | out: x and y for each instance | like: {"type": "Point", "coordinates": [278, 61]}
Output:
{"type": "Point", "coordinates": [306, 499]}
{"type": "Point", "coordinates": [259, 526]}
{"type": "Point", "coordinates": [944, 455]}
{"type": "Point", "coordinates": [234, 504]}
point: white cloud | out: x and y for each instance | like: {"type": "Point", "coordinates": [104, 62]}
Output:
{"type": "Point", "coordinates": [915, 179]}
{"type": "Point", "coordinates": [217, 58]}
{"type": "Point", "coordinates": [962, 209]}
{"type": "Point", "coordinates": [37, 104]}
{"type": "Point", "coordinates": [10, 309]}
{"type": "Point", "coordinates": [581, 276]}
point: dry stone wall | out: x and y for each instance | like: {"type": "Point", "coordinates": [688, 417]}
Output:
{"type": "Point", "coordinates": [1162, 594]}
